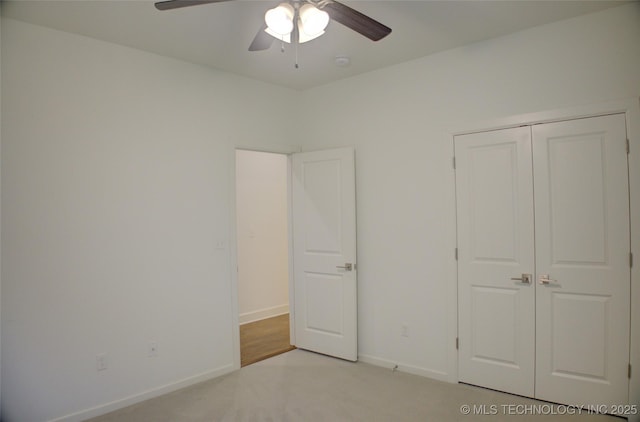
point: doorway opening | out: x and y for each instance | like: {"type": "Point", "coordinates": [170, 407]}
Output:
{"type": "Point", "coordinates": [262, 222]}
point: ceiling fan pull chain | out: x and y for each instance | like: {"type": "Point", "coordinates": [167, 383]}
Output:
{"type": "Point", "coordinates": [296, 35]}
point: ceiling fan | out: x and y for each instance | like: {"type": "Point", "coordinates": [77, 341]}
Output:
{"type": "Point", "coordinates": [304, 19]}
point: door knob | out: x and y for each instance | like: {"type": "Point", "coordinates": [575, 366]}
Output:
{"type": "Point", "coordinates": [347, 267]}
{"type": "Point", "coordinates": [544, 279]}
{"type": "Point", "coordinates": [526, 278]}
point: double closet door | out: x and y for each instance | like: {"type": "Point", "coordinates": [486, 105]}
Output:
{"type": "Point", "coordinates": [543, 260]}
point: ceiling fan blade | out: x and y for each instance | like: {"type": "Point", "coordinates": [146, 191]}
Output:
{"type": "Point", "coordinates": [176, 4]}
{"type": "Point", "coordinates": [262, 40]}
{"type": "Point", "coordinates": [357, 21]}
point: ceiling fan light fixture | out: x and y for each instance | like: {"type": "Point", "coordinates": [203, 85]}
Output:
{"type": "Point", "coordinates": [279, 20]}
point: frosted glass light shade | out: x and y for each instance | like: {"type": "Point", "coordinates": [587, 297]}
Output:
{"type": "Point", "coordinates": [279, 20]}
{"type": "Point", "coordinates": [285, 38]}
{"type": "Point", "coordinates": [303, 37]}
{"type": "Point", "coordinates": [313, 21]}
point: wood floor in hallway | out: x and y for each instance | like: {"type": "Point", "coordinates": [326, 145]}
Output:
{"type": "Point", "coordinates": [263, 339]}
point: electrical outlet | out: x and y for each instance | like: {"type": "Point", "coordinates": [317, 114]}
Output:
{"type": "Point", "coordinates": [101, 362]}
{"type": "Point", "coordinates": [153, 350]}
{"type": "Point", "coordinates": [404, 331]}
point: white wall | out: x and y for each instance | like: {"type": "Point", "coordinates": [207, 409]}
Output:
{"type": "Point", "coordinates": [116, 175]}
{"type": "Point", "coordinates": [400, 120]}
{"type": "Point", "coordinates": [262, 236]}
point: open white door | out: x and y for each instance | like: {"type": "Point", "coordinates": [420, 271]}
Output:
{"type": "Point", "coordinates": [324, 252]}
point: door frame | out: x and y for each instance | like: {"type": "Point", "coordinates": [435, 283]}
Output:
{"type": "Point", "coordinates": [287, 150]}
{"type": "Point", "coordinates": [631, 108]}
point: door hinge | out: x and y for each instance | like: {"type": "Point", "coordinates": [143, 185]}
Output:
{"type": "Point", "coordinates": [456, 253]}
{"type": "Point", "coordinates": [457, 343]}
{"type": "Point", "coordinates": [628, 146]}
{"type": "Point", "coordinates": [454, 162]}
{"type": "Point", "coordinates": [629, 371]}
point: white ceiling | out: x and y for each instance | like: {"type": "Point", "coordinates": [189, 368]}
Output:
{"type": "Point", "coordinates": [218, 35]}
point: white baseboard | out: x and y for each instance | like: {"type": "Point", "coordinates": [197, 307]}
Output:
{"type": "Point", "coordinates": [263, 314]}
{"type": "Point", "coordinates": [410, 369]}
{"type": "Point", "coordinates": [145, 395]}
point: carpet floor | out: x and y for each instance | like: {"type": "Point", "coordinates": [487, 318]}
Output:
{"type": "Point", "coordinates": [304, 386]}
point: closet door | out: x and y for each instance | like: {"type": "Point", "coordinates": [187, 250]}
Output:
{"type": "Point", "coordinates": [582, 261]}
{"type": "Point", "coordinates": [494, 190]}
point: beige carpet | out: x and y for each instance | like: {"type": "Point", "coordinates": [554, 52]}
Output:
{"type": "Point", "coordinates": [303, 386]}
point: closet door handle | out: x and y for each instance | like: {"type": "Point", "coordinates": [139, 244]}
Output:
{"type": "Point", "coordinates": [544, 279]}
{"type": "Point", "coordinates": [526, 278]}
{"type": "Point", "coordinates": [347, 267]}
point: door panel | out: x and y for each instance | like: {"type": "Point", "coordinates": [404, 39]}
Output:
{"type": "Point", "coordinates": [494, 192]}
{"type": "Point", "coordinates": [324, 240]}
{"type": "Point", "coordinates": [569, 338]}
{"type": "Point", "coordinates": [582, 244]}
{"type": "Point", "coordinates": [322, 206]}
{"type": "Point", "coordinates": [322, 289]}
{"type": "Point", "coordinates": [493, 310]}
